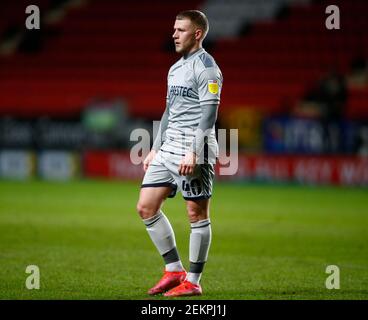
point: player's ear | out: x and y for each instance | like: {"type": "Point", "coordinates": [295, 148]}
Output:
{"type": "Point", "coordinates": [198, 34]}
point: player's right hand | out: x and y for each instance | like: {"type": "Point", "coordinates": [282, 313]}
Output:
{"type": "Point", "coordinates": [148, 160]}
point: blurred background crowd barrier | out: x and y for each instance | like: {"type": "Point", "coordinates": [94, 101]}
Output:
{"type": "Point", "coordinates": [72, 91]}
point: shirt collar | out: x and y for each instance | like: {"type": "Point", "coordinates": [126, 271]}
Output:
{"type": "Point", "coordinates": [192, 54]}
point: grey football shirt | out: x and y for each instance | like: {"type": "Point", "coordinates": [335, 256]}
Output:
{"type": "Point", "coordinates": [193, 82]}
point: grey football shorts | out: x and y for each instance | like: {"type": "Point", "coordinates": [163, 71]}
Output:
{"type": "Point", "coordinates": [163, 172]}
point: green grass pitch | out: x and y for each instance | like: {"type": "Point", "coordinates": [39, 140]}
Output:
{"type": "Point", "coordinates": [269, 241]}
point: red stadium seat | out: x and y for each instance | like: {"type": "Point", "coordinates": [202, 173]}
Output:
{"type": "Point", "coordinates": [107, 48]}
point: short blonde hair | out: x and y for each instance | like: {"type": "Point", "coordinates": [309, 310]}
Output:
{"type": "Point", "coordinates": [197, 17]}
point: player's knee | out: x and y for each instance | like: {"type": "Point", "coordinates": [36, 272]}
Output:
{"type": "Point", "coordinates": [194, 215]}
{"type": "Point", "coordinates": [145, 211]}
{"type": "Point", "coordinates": [196, 212]}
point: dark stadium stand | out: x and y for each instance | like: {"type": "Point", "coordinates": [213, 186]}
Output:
{"type": "Point", "coordinates": [104, 49]}
{"type": "Point", "coordinates": [278, 60]}
{"type": "Point", "coordinates": [114, 49]}
{"type": "Point", "coordinates": [13, 12]}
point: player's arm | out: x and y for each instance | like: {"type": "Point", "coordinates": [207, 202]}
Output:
{"type": "Point", "coordinates": [161, 130]}
{"type": "Point", "coordinates": [159, 138]}
{"type": "Point", "coordinates": [206, 123]}
{"type": "Point", "coordinates": [209, 89]}
{"type": "Point", "coordinates": [208, 120]}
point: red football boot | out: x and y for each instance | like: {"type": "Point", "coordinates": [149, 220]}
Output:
{"type": "Point", "coordinates": [186, 288]}
{"type": "Point", "coordinates": [168, 281]}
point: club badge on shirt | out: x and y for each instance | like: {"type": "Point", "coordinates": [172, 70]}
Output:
{"type": "Point", "coordinates": [213, 86]}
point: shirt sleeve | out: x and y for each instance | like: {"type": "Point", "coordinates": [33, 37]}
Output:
{"type": "Point", "coordinates": [162, 130]}
{"type": "Point", "coordinates": [208, 120]}
{"type": "Point", "coordinates": [209, 86]}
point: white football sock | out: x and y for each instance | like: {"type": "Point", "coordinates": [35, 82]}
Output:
{"type": "Point", "coordinates": [163, 237]}
{"type": "Point", "coordinates": [193, 277]}
{"type": "Point", "coordinates": [199, 245]}
{"type": "Point", "coordinates": [174, 266]}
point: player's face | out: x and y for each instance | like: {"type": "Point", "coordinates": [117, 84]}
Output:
{"type": "Point", "coordinates": [184, 36]}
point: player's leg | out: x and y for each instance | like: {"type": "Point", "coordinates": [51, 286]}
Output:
{"type": "Point", "coordinates": [199, 245]}
{"type": "Point", "coordinates": [156, 187]}
{"type": "Point", "coordinates": [197, 190]}
{"type": "Point", "coordinates": [158, 225]}
{"type": "Point", "coordinates": [162, 236]}
{"type": "Point", "coordinates": [151, 200]}
{"type": "Point", "coordinates": [200, 237]}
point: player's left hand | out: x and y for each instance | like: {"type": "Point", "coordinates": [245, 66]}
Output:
{"type": "Point", "coordinates": [188, 163]}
